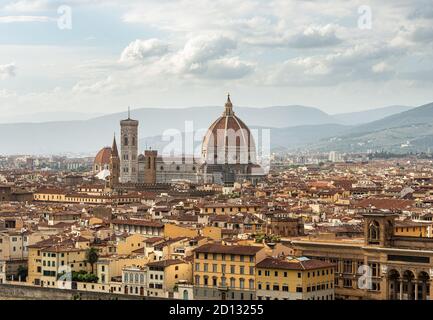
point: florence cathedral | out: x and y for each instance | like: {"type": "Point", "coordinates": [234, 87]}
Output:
{"type": "Point", "coordinates": [228, 155]}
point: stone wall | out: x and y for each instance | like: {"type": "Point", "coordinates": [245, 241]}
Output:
{"type": "Point", "coordinates": [12, 291]}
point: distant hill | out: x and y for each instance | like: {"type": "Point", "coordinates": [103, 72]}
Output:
{"type": "Point", "coordinates": [281, 138]}
{"type": "Point", "coordinates": [409, 131]}
{"type": "Point", "coordinates": [292, 127]}
{"type": "Point", "coordinates": [361, 117]}
{"type": "Point", "coordinates": [48, 117]}
{"type": "Point", "coordinates": [93, 134]}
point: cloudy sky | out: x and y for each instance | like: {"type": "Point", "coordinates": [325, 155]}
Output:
{"type": "Point", "coordinates": [100, 56]}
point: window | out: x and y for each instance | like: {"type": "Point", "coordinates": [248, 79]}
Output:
{"type": "Point", "coordinates": [242, 270]}
{"type": "Point", "coordinates": [285, 288]}
{"type": "Point", "coordinates": [347, 283]}
{"type": "Point", "coordinates": [242, 283]}
{"type": "Point", "coordinates": [267, 273]}
{"type": "Point", "coordinates": [373, 232]}
{"type": "Point", "coordinates": [214, 268]}
{"type": "Point", "coordinates": [251, 284]}
{"type": "Point", "coordinates": [276, 287]}
{"type": "Point", "coordinates": [374, 269]}
{"type": "Point", "coordinates": [232, 269]}
{"type": "Point", "coordinates": [347, 266]}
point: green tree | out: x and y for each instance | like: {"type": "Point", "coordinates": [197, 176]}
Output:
{"type": "Point", "coordinates": [92, 256]}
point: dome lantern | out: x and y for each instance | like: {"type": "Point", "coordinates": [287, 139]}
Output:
{"type": "Point", "coordinates": [228, 107]}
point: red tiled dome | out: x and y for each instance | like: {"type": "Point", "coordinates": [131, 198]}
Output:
{"type": "Point", "coordinates": [103, 157]}
{"type": "Point", "coordinates": [228, 140]}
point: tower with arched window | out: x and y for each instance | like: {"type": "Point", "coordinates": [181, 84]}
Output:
{"type": "Point", "coordinates": [129, 150]}
{"type": "Point", "coordinates": [379, 228]}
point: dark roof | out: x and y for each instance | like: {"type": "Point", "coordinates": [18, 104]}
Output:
{"type": "Point", "coordinates": [310, 264]}
{"type": "Point", "coordinates": [165, 263]}
{"type": "Point", "coordinates": [219, 248]}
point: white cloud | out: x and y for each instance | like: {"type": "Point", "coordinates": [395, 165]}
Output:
{"type": "Point", "coordinates": [26, 5]}
{"type": "Point", "coordinates": [139, 50]}
{"type": "Point", "coordinates": [381, 67]}
{"type": "Point", "coordinates": [256, 45]}
{"type": "Point", "coordinates": [316, 37]}
{"type": "Point", "coordinates": [198, 51]}
{"type": "Point", "coordinates": [14, 19]}
{"type": "Point", "coordinates": [229, 68]}
{"type": "Point", "coordinates": [107, 85]}
{"type": "Point", "coordinates": [7, 70]}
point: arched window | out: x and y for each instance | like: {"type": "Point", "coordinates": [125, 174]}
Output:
{"type": "Point", "coordinates": [373, 231]}
{"type": "Point", "coordinates": [133, 141]}
{"type": "Point", "coordinates": [125, 141]}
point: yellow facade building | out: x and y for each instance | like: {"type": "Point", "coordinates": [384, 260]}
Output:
{"type": "Point", "coordinates": [294, 279]}
{"type": "Point", "coordinates": [226, 272]}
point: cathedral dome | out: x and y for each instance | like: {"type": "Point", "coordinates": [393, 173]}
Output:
{"type": "Point", "coordinates": [228, 140]}
{"type": "Point", "coordinates": [102, 159]}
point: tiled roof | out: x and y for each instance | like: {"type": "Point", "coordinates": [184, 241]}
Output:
{"type": "Point", "coordinates": [218, 248]}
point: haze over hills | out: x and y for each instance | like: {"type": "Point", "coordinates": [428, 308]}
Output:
{"type": "Point", "coordinates": [360, 117]}
{"type": "Point", "coordinates": [90, 135]}
{"type": "Point", "coordinates": [48, 117]}
{"type": "Point", "coordinates": [292, 127]}
{"type": "Point", "coordinates": [409, 131]}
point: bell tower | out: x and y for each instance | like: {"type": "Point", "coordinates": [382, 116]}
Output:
{"type": "Point", "coordinates": [129, 150]}
{"type": "Point", "coordinates": [379, 228]}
